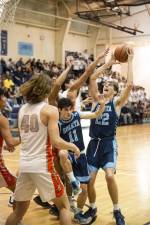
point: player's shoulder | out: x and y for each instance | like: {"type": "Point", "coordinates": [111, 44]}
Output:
{"type": "Point", "coordinates": [50, 109]}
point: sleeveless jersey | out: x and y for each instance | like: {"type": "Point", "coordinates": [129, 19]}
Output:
{"type": "Point", "coordinates": [106, 124]}
{"type": "Point", "coordinates": [71, 130]}
{"type": "Point", "coordinates": [36, 150]}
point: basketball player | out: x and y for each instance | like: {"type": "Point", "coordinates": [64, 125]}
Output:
{"type": "Point", "coordinates": [6, 178]}
{"type": "Point", "coordinates": [102, 148]}
{"type": "Point", "coordinates": [38, 127]}
{"type": "Point", "coordinates": [70, 130]}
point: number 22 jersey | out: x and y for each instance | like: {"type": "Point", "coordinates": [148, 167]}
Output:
{"type": "Point", "coordinates": [106, 124]}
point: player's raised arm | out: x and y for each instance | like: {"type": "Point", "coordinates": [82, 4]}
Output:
{"type": "Point", "coordinates": [125, 94]}
{"type": "Point", "coordinates": [59, 81]}
{"type": "Point", "coordinates": [98, 73]}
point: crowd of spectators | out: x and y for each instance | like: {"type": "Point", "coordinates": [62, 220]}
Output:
{"type": "Point", "coordinates": [13, 74]}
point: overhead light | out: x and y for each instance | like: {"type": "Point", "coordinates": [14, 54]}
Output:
{"type": "Point", "coordinates": [109, 1]}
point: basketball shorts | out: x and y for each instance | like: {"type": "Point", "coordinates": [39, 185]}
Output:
{"type": "Point", "coordinates": [101, 153]}
{"type": "Point", "coordinates": [48, 185]}
{"type": "Point", "coordinates": [6, 178]}
{"type": "Point", "coordinates": [80, 167]}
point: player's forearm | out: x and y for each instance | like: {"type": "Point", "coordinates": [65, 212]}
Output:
{"type": "Point", "coordinates": [79, 82]}
{"type": "Point", "coordinates": [100, 70]}
{"type": "Point", "coordinates": [96, 61]}
{"type": "Point", "coordinates": [61, 144]}
{"type": "Point", "coordinates": [99, 112]}
{"type": "Point", "coordinates": [60, 80]}
{"type": "Point", "coordinates": [130, 75]}
{"type": "Point", "coordinates": [53, 95]}
{"type": "Point", "coordinates": [94, 89]}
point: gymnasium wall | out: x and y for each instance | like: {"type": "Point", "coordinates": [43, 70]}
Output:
{"type": "Point", "coordinates": [75, 43]}
{"type": "Point", "coordinates": [43, 41]}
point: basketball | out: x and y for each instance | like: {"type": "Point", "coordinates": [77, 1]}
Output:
{"type": "Point", "coordinates": [121, 54]}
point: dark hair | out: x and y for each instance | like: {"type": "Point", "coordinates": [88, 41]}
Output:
{"type": "Point", "coordinates": [36, 89]}
{"type": "Point", "coordinates": [64, 103]}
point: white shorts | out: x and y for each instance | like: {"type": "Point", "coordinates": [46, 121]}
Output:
{"type": "Point", "coordinates": [48, 185]}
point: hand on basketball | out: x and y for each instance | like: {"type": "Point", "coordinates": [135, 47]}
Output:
{"type": "Point", "coordinates": [130, 53]}
{"type": "Point", "coordinates": [70, 62]}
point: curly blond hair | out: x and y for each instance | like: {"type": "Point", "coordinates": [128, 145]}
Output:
{"type": "Point", "coordinates": [36, 89]}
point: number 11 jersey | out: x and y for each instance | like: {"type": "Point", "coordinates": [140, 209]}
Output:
{"type": "Point", "coordinates": [71, 131]}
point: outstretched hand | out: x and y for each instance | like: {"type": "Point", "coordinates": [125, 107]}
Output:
{"type": "Point", "coordinates": [70, 61]}
{"type": "Point", "coordinates": [104, 53]}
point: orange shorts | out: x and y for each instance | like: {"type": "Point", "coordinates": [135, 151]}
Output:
{"type": "Point", "coordinates": [6, 178]}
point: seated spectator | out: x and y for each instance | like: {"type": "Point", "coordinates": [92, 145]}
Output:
{"type": "Point", "coordinates": [140, 107]}
{"type": "Point", "coordinates": [20, 62]}
{"type": "Point", "coordinates": [147, 112]}
{"type": "Point", "coordinates": [18, 76]}
{"type": "Point", "coordinates": [8, 83]}
{"type": "Point", "coordinates": [135, 112]}
{"type": "Point", "coordinates": [126, 114]}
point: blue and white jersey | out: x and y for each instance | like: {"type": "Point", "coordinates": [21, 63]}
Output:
{"type": "Point", "coordinates": [71, 130]}
{"type": "Point", "coordinates": [106, 124]}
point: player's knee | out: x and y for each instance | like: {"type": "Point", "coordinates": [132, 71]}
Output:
{"type": "Point", "coordinates": [109, 177]}
{"type": "Point", "coordinates": [84, 189]}
{"type": "Point", "coordinates": [92, 180]}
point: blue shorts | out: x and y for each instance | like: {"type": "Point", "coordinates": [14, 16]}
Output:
{"type": "Point", "coordinates": [101, 153]}
{"type": "Point", "coordinates": [80, 167]}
